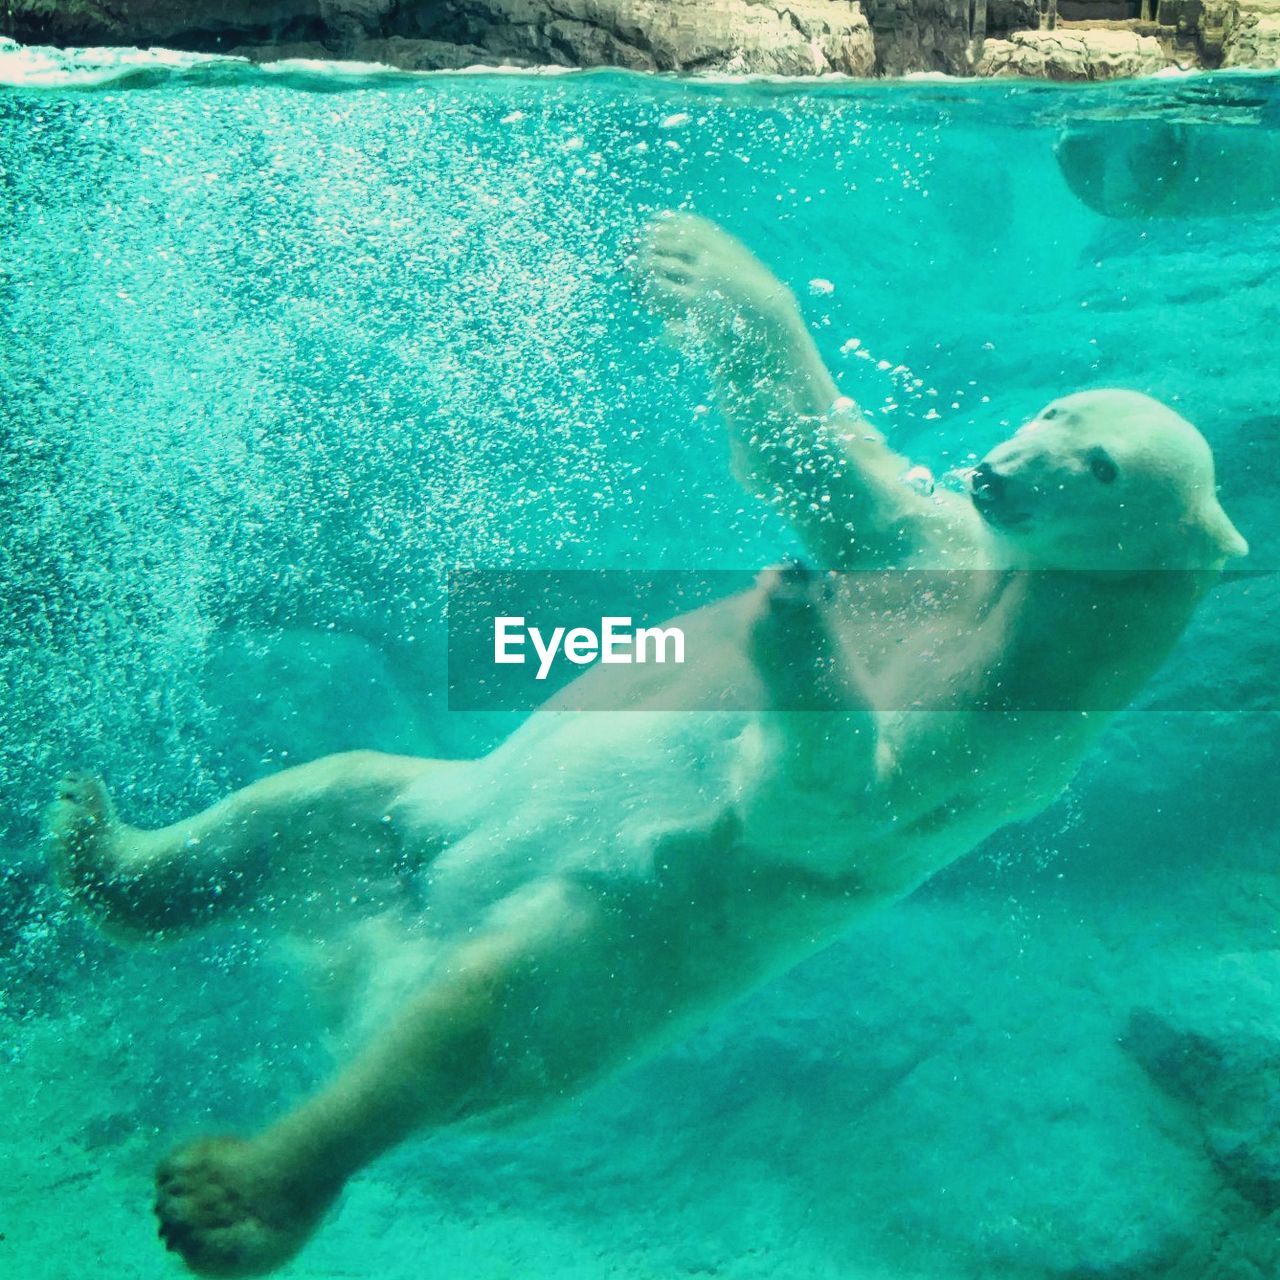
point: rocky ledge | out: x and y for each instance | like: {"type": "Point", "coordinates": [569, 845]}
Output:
{"type": "Point", "coordinates": [1211, 1041]}
{"type": "Point", "coordinates": [1095, 39]}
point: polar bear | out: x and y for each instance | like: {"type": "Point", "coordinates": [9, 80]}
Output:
{"type": "Point", "coordinates": [1163, 168]}
{"type": "Point", "coordinates": [600, 881]}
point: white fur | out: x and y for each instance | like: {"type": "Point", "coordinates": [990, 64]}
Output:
{"type": "Point", "coordinates": [595, 797]}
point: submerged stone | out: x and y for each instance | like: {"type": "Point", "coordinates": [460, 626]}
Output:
{"type": "Point", "coordinates": [1214, 1044]}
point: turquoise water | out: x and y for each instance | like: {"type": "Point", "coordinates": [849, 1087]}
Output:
{"type": "Point", "coordinates": [277, 351]}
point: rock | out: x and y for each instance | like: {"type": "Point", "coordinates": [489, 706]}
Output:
{"type": "Point", "coordinates": [1095, 53]}
{"type": "Point", "coordinates": [425, 55]}
{"type": "Point", "coordinates": [1212, 1041]}
{"type": "Point", "coordinates": [1004, 16]}
{"type": "Point", "coordinates": [803, 37]}
{"type": "Point", "coordinates": [916, 35]}
{"type": "Point", "coordinates": [799, 37]}
{"type": "Point", "coordinates": [1252, 36]}
{"type": "Point", "coordinates": [390, 51]}
{"type": "Point", "coordinates": [209, 25]}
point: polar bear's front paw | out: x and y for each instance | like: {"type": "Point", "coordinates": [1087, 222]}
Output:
{"type": "Point", "coordinates": [789, 595]}
{"type": "Point", "coordinates": [796, 653]}
{"type": "Point", "coordinates": [787, 631]}
{"type": "Point", "coordinates": [700, 279]}
{"type": "Point", "coordinates": [787, 586]}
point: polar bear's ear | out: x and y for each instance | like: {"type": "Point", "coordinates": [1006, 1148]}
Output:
{"type": "Point", "coordinates": [1224, 537]}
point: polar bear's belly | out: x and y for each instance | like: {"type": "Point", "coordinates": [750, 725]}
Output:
{"type": "Point", "coordinates": [584, 794]}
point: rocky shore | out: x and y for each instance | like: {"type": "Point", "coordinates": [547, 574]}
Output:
{"type": "Point", "coordinates": [1087, 40]}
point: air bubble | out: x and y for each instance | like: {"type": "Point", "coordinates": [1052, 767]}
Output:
{"type": "Point", "coordinates": [918, 479]}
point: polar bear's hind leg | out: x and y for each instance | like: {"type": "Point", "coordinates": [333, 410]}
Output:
{"type": "Point", "coordinates": [303, 842]}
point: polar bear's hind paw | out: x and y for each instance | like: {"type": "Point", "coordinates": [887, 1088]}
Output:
{"type": "Point", "coordinates": [85, 844]}
{"type": "Point", "coordinates": [79, 824]}
{"type": "Point", "coordinates": [228, 1211]}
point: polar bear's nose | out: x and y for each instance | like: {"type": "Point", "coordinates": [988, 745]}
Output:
{"type": "Point", "coordinates": [988, 484]}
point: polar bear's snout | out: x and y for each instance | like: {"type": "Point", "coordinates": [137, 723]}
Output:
{"type": "Point", "coordinates": [992, 494]}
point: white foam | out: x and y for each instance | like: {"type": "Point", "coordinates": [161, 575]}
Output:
{"type": "Point", "coordinates": [40, 67]}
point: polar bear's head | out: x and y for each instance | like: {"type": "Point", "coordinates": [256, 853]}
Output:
{"type": "Point", "coordinates": [1105, 480]}
{"type": "Point", "coordinates": [1126, 168]}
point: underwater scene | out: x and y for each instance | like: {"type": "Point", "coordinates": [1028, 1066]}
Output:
{"type": "Point", "coordinates": [283, 348]}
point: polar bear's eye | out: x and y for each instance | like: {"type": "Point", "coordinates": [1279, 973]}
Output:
{"type": "Point", "coordinates": [1103, 468]}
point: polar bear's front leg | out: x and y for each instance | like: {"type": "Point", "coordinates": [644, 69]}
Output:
{"type": "Point", "coordinates": [724, 303]}
{"type": "Point", "coordinates": [793, 441]}
{"type": "Point", "coordinates": [820, 728]}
